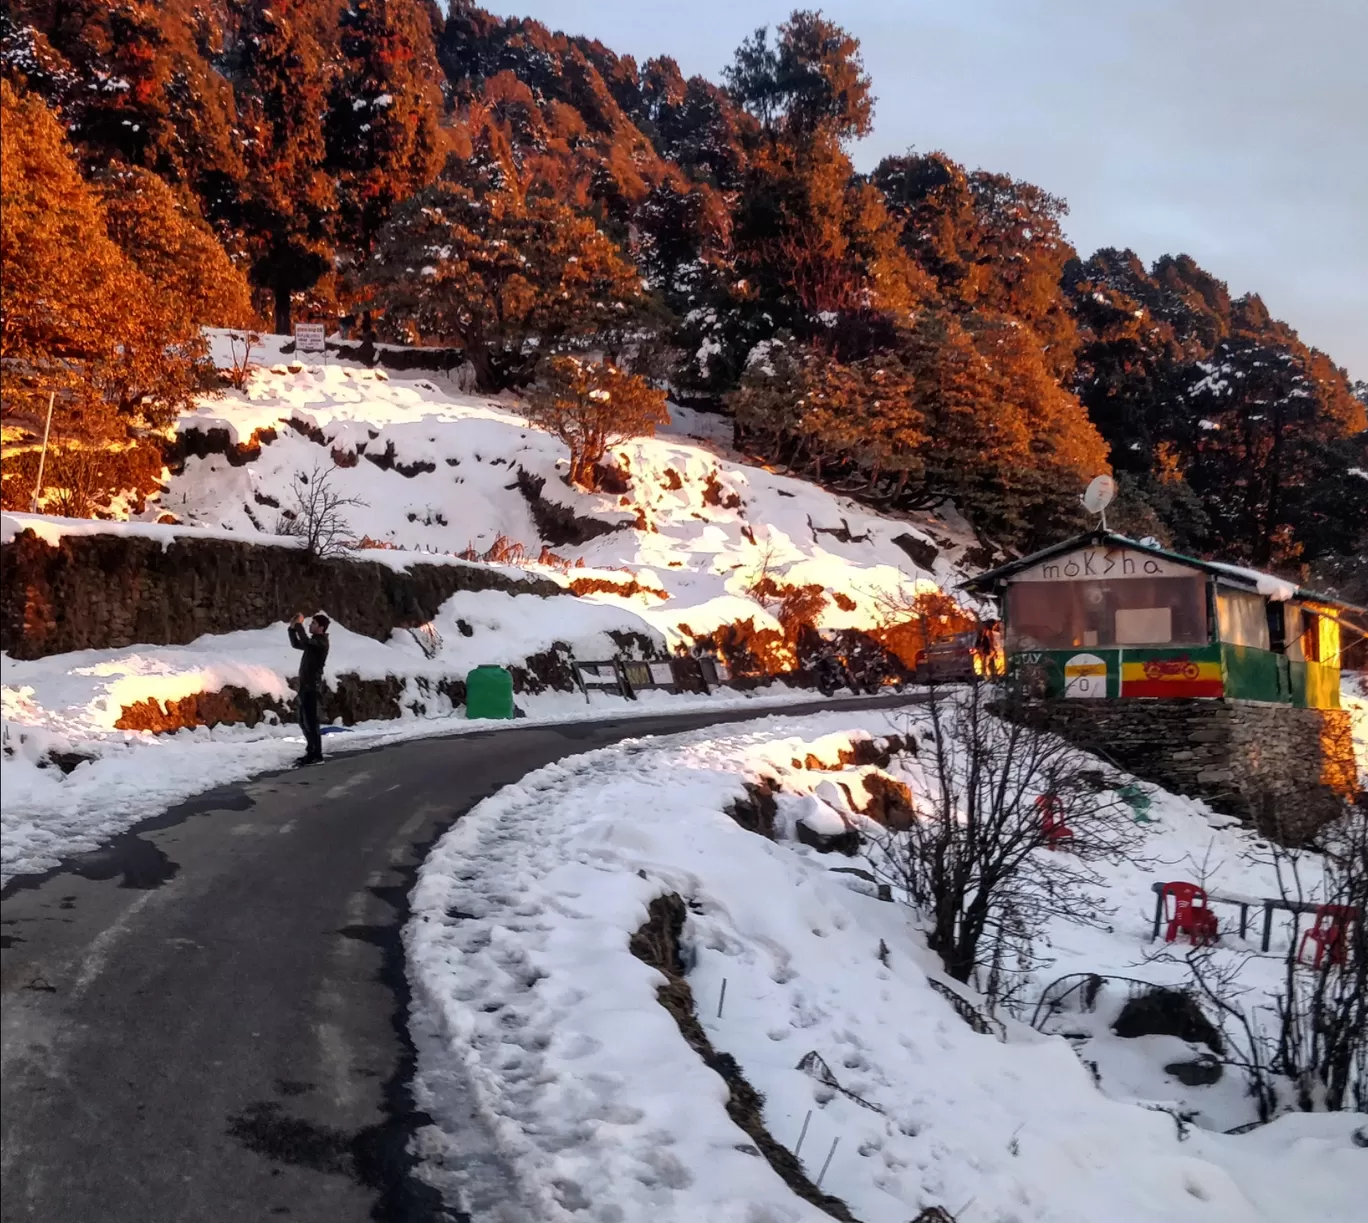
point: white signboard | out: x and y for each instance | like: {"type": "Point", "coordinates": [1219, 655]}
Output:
{"type": "Point", "coordinates": [310, 337]}
{"type": "Point", "coordinates": [1085, 675]}
{"type": "Point", "coordinates": [1092, 564]}
{"type": "Point", "coordinates": [661, 673]}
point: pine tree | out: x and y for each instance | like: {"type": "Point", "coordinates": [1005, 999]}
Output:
{"type": "Point", "coordinates": [286, 211]}
{"type": "Point", "coordinates": [382, 134]}
{"type": "Point", "coordinates": [63, 277]}
{"type": "Point", "coordinates": [78, 318]}
{"type": "Point", "coordinates": [494, 273]}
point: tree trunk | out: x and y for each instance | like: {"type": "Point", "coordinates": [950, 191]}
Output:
{"type": "Point", "coordinates": [282, 310]}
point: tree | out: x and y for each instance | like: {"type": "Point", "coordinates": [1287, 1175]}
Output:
{"type": "Point", "coordinates": [503, 276]}
{"type": "Point", "coordinates": [1273, 422]}
{"type": "Point", "coordinates": [77, 317]}
{"type": "Point", "coordinates": [164, 237]}
{"type": "Point", "coordinates": [991, 243]}
{"type": "Point", "coordinates": [281, 72]}
{"type": "Point", "coordinates": [812, 79]}
{"type": "Point", "coordinates": [382, 136]}
{"type": "Point", "coordinates": [591, 406]}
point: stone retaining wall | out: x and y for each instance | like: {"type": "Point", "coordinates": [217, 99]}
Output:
{"type": "Point", "coordinates": [106, 591]}
{"type": "Point", "coordinates": [1286, 770]}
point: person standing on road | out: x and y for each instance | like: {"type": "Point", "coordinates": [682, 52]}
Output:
{"type": "Point", "coordinates": [314, 643]}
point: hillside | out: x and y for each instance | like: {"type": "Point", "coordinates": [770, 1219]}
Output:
{"type": "Point", "coordinates": [919, 336]}
{"type": "Point", "coordinates": [698, 547]}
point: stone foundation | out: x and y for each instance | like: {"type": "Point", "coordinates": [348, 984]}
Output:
{"type": "Point", "coordinates": [1287, 771]}
{"type": "Point", "coordinates": [106, 591]}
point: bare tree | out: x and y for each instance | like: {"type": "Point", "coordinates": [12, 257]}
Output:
{"type": "Point", "coordinates": [317, 515]}
{"type": "Point", "coordinates": [1319, 1041]}
{"type": "Point", "coordinates": [995, 795]}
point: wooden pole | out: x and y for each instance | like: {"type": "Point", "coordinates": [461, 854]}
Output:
{"type": "Point", "coordinates": [42, 457]}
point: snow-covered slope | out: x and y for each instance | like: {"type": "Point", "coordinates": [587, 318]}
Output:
{"type": "Point", "coordinates": [696, 525]}
{"type": "Point", "coordinates": [561, 1089]}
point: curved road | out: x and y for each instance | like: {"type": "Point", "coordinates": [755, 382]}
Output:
{"type": "Point", "coordinates": [206, 1019]}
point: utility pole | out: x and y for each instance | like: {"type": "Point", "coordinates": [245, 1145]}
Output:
{"type": "Point", "coordinates": [42, 458]}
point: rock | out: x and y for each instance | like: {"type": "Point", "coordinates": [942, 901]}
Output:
{"type": "Point", "coordinates": [922, 551]}
{"type": "Point", "coordinates": [1168, 1012]}
{"type": "Point", "coordinates": [847, 842]}
{"type": "Point", "coordinates": [881, 891]}
{"type": "Point", "coordinates": [1202, 1071]}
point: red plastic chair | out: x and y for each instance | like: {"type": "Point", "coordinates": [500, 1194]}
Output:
{"type": "Point", "coordinates": [1330, 934]}
{"type": "Point", "coordinates": [1190, 914]}
{"type": "Point", "coordinates": [1057, 833]}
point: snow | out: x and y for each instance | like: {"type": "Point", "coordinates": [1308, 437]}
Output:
{"type": "Point", "coordinates": [560, 1089]}
{"type": "Point", "coordinates": [674, 532]}
{"type": "Point", "coordinates": [1277, 589]}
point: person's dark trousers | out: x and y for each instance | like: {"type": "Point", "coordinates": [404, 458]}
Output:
{"type": "Point", "coordinates": [308, 723]}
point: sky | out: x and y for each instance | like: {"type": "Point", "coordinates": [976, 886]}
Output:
{"type": "Point", "coordinates": [1235, 131]}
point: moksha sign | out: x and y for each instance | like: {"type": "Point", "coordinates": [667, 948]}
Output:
{"type": "Point", "coordinates": [1092, 564]}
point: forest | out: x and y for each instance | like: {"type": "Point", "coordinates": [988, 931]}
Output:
{"type": "Point", "coordinates": [919, 335]}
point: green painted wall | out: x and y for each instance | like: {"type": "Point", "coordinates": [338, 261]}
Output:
{"type": "Point", "coordinates": [1245, 674]}
{"type": "Point", "coordinates": [1252, 674]}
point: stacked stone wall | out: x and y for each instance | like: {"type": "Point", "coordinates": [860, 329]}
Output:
{"type": "Point", "coordinates": [1285, 770]}
{"type": "Point", "coordinates": [110, 590]}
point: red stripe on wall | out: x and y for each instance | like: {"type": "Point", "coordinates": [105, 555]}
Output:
{"type": "Point", "coordinates": [1173, 687]}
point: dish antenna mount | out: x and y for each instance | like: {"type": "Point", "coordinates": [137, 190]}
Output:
{"type": "Point", "coordinates": [1098, 496]}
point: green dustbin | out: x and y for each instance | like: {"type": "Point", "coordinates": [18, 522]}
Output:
{"type": "Point", "coordinates": [489, 693]}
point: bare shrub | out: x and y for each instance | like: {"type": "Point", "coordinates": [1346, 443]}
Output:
{"type": "Point", "coordinates": [1306, 1047]}
{"type": "Point", "coordinates": [975, 857]}
{"type": "Point", "coordinates": [240, 345]}
{"type": "Point", "coordinates": [317, 514]}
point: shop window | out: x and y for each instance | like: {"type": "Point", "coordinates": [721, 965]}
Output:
{"type": "Point", "coordinates": [1128, 612]}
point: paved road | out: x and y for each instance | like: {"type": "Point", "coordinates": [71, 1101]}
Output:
{"type": "Point", "coordinates": [206, 1019]}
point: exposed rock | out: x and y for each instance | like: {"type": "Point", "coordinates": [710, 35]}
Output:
{"type": "Point", "coordinates": [558, 524]}
{"type": "Point", "coordinates": [846, 842]}
{"type": "Point", "coordinates": [1202, 1071]}
{"type": "Point", "coordinates": [922, 551]}
{"type": "Point", "coordinates": [890, 802]}
{"type": "Point", "coordinates": [386, 461]}
{"type": "Point", "coordinates": [202, 443]}
{"type": "Point", "coordinates": [1168, 1012]}
{"type": "Point", "coordinates": [756, 812]}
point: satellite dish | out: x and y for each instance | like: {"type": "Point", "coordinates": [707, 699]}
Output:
{"type": "Point", "coordinates": [1099, 496]}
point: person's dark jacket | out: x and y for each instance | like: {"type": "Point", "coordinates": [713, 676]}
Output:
{"type": "Point", "coordinates": [315, 647]}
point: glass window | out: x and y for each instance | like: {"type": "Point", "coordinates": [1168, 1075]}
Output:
{"type": "Point", "coordinates": [1242, 619]}
{"type": "Point", "coordinates": [1135, 611]}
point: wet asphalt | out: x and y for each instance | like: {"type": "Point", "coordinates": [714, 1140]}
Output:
{"type": "Point", "coordinates": [206, 1019]}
